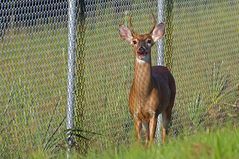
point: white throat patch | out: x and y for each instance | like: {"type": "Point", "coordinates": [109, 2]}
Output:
{"type": "Point", "coordinates": [143, 60]}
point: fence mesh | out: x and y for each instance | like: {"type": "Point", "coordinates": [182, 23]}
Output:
{"type": "Point", "coordinates": [33, 75]}
{"type": "Point", "coordinates": [201, 45]}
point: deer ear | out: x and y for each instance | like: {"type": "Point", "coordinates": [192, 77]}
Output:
{"type": "Point", "coordinates": [158, 32]}
{"type": "Point", "coordinates": [125, 33]}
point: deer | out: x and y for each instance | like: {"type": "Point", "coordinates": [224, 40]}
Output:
{"type": "Point", "coordinates": [153, 88]}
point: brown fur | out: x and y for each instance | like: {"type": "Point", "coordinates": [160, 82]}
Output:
{"type": "Point", "coordinates": [152, 92]}
{"type": "Point", "coordinates": [153, 89]}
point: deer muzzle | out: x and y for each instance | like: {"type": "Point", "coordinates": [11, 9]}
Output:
{"type": "Point", "coordinates": [142, 51]}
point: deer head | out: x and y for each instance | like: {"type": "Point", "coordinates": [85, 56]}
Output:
{"type": "Point", "coordinates": [142, 43]}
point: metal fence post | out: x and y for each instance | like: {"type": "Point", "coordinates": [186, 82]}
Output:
{"type": "Point", "coordinates": [160, 59]}
{"type": "Point", "coordinates": [71, 70]}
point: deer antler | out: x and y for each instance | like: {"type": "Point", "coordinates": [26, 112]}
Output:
{"type": "Point", "coordinates": [131, 26]}
{"type": "Point", "coordinates": [130, 22]}
{"type": "Point", "coordinates": [154, 22]}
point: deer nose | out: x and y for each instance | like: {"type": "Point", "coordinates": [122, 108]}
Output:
{"type": "Point", "coordinates": [142, 49]}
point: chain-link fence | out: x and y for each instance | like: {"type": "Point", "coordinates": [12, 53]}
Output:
{"type": "Point", "coordinates": [201, 48]}
{"type": "Point", "coordinates": [205, 62]}
{"type": "Point", "coordinates": [33, 75]}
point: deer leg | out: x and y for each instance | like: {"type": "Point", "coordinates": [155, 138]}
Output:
{"type": "Point", "coordinates": [152, 129]}
{"type": "Point", "coordinates": [163, 135]}
{"type": "Point", "coordinates": [146, 127]}
{"type": "Point", "coordinates": [138, 129]}
{"type": "Point", "coordinates": [166, 115]}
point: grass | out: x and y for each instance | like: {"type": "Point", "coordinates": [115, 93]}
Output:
{"type": "Point", "coordinates": [213, 106]}
{"type": "Point", "coordinates": [33, 84]}
{"type": "Point", "coordinates": [217, 144]}
{"type": "Point", "coordinates": [33, 74]}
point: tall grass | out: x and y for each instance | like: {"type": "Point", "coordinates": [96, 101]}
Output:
{"type": "Point", "coordinates": [205, 34]}
{"type": "Point", "coordinates": [214, 145]}
{"type": "Point", "coordinates": [216, 105]}
{"type": "Point", "coordinates": [218, 144]}
{"type": "Point", "coordinates": [33, 87]}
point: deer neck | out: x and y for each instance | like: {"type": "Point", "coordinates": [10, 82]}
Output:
{"type": "Point", "coordinates": [143, 77]}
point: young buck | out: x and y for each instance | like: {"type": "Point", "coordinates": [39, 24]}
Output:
{"type": "Point", "coordinates": [153, 89]}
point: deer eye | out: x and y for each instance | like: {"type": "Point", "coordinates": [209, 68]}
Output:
{"type": "Point", "coordinates": [135, 42]}
{"type": "Point", "coordinates": [148, 41]}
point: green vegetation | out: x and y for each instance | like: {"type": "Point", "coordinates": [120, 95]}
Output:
{"type": "Point", "coordinates": [33, 82]}
{"type": "Point", "coordinates": [209, 109]}
{"type": "Point", "coordinates": [214, 145]}
{"type": "Point", "coordinates": [219, 144]}
{"type": "Point", "coordinates": [33, 90]}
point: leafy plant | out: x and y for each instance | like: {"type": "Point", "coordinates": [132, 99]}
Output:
{"type": "Point", "coordinates": [222, 94]}
{"type": "Point", "coordinates": [196, 110]}
{"type": "Point", "coordinates": [218, 85]}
